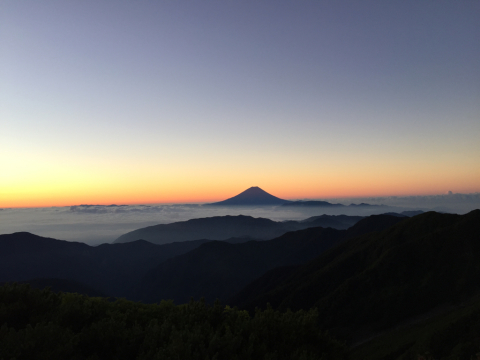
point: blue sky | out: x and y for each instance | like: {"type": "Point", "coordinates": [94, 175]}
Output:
{"type": "Point", "coordinates": [174, 101]}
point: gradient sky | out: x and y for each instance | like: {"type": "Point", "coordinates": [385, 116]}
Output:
{"type": "Point", "coordinates": [189, 101]}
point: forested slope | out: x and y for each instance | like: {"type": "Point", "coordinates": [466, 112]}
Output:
{"type": "Point", "coordinates": [37, 324]}
{"type": "Point", "coordinates": [374, 281]}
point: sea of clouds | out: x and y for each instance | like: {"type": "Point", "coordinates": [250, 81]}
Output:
{"type": "Point", "coordinates": [96, 224]}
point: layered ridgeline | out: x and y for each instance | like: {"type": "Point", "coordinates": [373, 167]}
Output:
{"type": "Point", "coordinates": [319, 203]}
{"type": "Point", "coordinates": [376, 281]}
{"type": "Point", "coordinates": [119, 269]}
{"type": "Point", "coordinates": [226, 227]}
{"type": "Point", "coordinates": [110, 269]}
{"type": "Point", "coordinates": [218, 270]}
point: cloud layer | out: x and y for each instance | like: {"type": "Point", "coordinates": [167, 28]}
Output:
{"type": "Point", "coordinates": [95, 224]}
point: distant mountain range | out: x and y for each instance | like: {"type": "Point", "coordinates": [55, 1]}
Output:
{"type": "Point", "coordinates": [318, 203]}
{"type": "Point", "coordinates": [255, 196]}
{"type": "Point", "coordinates": [125, 269]}
{"type": "Point", "coordinates": [138, 270]}
{"type": "Point", "coordinates": [225, 227]}
{"type": "Point", "coordinates": [240, 226]}
{"type": "Point", "coordinates": [111, 269]}
{"type": "Point", "coordinates": [218, 270]}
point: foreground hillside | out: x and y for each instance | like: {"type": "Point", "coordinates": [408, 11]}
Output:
{"type": "Point", "coordinates": [38, 324]}
{"type": "Point", "coordinates": [376, 281]}
{"type": "Point", "coordinates": [451, 333]}
{"type": "Point", "coordinates": [388, 287]}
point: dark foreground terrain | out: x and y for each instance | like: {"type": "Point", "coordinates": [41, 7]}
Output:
{"type": "Point", "coordinates": [45, 325]}
{"type": "Point", "coordinates": [389, 287]}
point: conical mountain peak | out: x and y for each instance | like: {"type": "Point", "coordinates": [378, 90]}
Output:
{"type": "Point", "coordinates": [253, 196]}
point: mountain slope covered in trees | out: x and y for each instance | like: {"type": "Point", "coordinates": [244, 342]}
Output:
{"type": "Point", "coordinates": [37, 324]}
{"type": "Point", "coordinates": [372, 282]}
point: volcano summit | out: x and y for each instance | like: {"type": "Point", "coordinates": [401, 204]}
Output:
{"type": "Point", "coordinates": [253, 196]}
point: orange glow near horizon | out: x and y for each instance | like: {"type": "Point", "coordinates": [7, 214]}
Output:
{"type": "Point", "coordinates": [69, 197]}
{"type": "Point", "coordinates": [45, 180]}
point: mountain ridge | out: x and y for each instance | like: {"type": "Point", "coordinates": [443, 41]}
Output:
{"type": "Point", "coordinates": [225, 227]}
{"type": "Point", "coordinates": [373, 281]}
{"type": "Point", "coordinates": [110, 268]}
{"type": "Point", "coordinates": [219, 270]}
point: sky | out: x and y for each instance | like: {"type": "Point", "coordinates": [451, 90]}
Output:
{"type": "Point", "coordinates": [138, 102]}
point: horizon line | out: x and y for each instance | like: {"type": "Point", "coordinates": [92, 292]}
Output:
{"type": "Point", "coordinates": [448, 193]}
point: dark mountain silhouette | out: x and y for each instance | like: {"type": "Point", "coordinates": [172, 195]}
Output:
{"type": "Point", "coordinates": [219, 270]}
{"type": "Point", "coordinates": [373, 282]}
{"type": "Point", "coordinates": [340, 222]}
{"type": "Point", "coordinates": [267, 282]}
{"type": "Point", "coordinates": [253, 196]}
{"type": "Point", "coordinates": [372, 223]}
{"type": "Point", "coordinates": [111, 269]}
{"type": "Point", "coordinates": [312, 203]}
{"type": "Point", "coordinates": [271, 279]}
{"type": "Point", "coordinates": [443, 333]}
{"type": "Point", "coordinates": [319, 203]}
{"type": "Point", "coordinates": [213, 228]}
{"type": "Point", "coordinates": [225, 227]}
{"type": "Point", "coordinates": [408, 213]}
{"type": "Point", "coordinates": [364, 205]}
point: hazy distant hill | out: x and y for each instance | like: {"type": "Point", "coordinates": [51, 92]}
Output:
{"type": "Point", "coordinates": [409, 213]}
{"type": "Point", "coordinates": [374, 281]}
{"type": "Point", "coordinates": [449, 332]}
{"type": "Point", "coordinates": [310, 203]}
{"type": "Point", "coordinates": [253, 196]}
{"type": "Point", "coordinates": [319, 203]}
{"type": "Point", "coordinates": [225, 227]}
{"type": "Point", "coordinates": [339, 222]}
{"type": "Point", "coordinates": [219, 270]}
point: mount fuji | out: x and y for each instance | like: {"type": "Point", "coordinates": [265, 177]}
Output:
{"type": "Point", "coordinates": [252, 196]}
